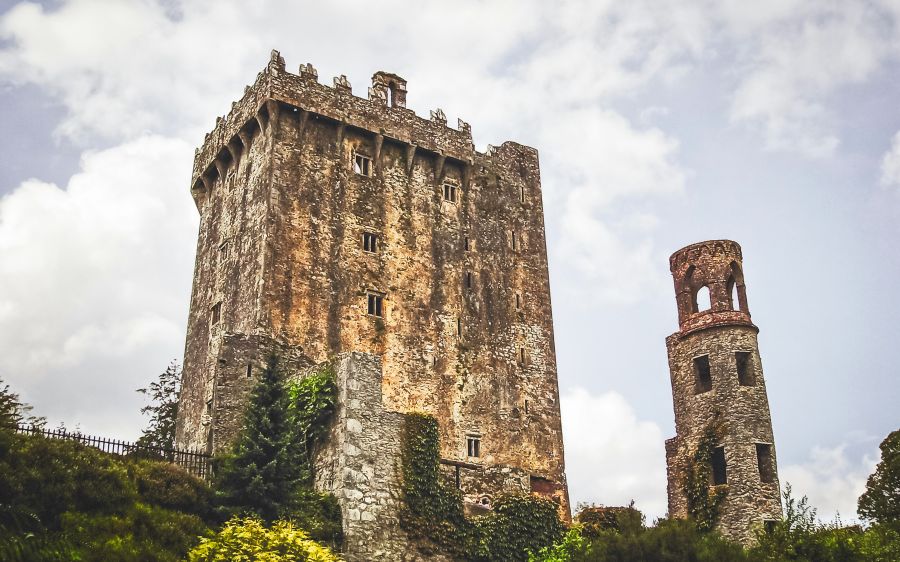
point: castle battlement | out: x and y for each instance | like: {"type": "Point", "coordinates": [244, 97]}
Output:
{"type": "Point", "coordinates": [384, 112]}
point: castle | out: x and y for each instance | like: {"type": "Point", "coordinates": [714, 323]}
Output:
{"type": "Point", "coordinates": [350, 230]}
{"type": "Point", "coordinates": [717, 383]}
{"type": "Point", "coordinates": [332, 225]}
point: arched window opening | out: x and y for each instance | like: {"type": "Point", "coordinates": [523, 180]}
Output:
{"type": "Point", "coordinates": [731, 288]}
{"type": "Point", "coordinates": [736, 290]}
{"type": "Point", "coordinates": [390, 95]}
{"type": "Point", "coordinates": [701, 299]}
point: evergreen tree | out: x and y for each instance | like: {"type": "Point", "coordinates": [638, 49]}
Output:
{"type": "Point", "coordinates": [259, 475]}
{"type": "Point", "coordinates": [163, 409]}
{"type": "Point", "coordinates": [881, 500]}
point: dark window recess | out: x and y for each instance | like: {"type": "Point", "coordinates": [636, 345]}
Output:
{"type": "Point", "coordinates": [362, 165]}
{"type": "Point", "coordinates": [468, 280]}
{"type": "Point", "coordinates": [719, 475]}
{"type": "Point", "coordinates": [473, 446]}
{"type": "Point", "coordinates": [209, 406]}
{"type": "Point", "coordinates": [216, 313]}
{"type": "Point", "coordinates": [766, 462]}
{"type": "Point", "coordinates": [702, 376]}
{"type": "Point", "coordinates": [370, 242]}
{"type": "Point", "coordinates": [518, 301]}
{"type": "Point", "coordinates": [512, 238]}
{"type": "Point", "coordinates": [526, 406]}
{"type": "Point", "coordinates": [459, 327]}
{"type": "Point", "coordinates": [466, 243]}
{"type": "Point", "coordinates": [521, 356]}
{"type": "Point", "coordinates": [223, 251]}
{"type": "Point", "coordinates": [374, 304]}
{"type": "Point", "coordinates": [769, 525]}
{"type": "Point", "coordinates": [249, 370]}
{"type": "Point", "coordinates": [522, 194]}
{"type": "Point", "coordinates": [450, 192]}
{"type": "Point", "coordinates": [744, 368]}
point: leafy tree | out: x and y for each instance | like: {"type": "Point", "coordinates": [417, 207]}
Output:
{"type": "Point", "coordinates": [881, 500]}
{"type": "Point", "coordinates": [261, 474]}
{"type": "Point", "coordinates": [13, 411]}
{"type": "Point", "coordinates": [163, 409]}
{"type": "Point", "coordinates": [249, 539]}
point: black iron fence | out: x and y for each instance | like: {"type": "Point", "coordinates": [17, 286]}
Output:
{"type": "Point", "coordinates": [195, 462]}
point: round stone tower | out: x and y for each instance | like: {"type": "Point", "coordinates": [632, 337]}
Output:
{"type": "Point", "coordinates": [717, 380]}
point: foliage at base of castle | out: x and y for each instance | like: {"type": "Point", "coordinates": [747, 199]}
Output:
{"type": "Point", "coordinates": [433, 511]}
{"type": "Point", "coordinates": [881, 500]}
{"type": "Point", "coordinates": [249, 539]}
{"type": "Point", "coordinates": [269, 470]}
{"type": "Point", "coordinates": [670, 540]}
{"type": "Point", "coordinates": [163, 409]}
{"type": "Point", "coordinates": [311, 404]}
{"type": "Point", "coordinates": [704, 500]}
{"type": "Point", "coordinates": [797, 537]}
{"type": "Point", "coordinates": [14, 412]}
{"type": "Point", "coordinates": [63, 500]}
{"type": "Point", "coordinates": [594, 519]}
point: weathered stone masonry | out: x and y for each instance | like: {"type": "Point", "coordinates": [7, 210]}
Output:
{"type": "Point", "coordinates": [318, 208]}
{"type": "Point", "coordinates": [716, 373]}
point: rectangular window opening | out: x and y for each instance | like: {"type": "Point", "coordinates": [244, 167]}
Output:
{"type": "Point", "coordinates": [518, 301]}
{"type": "Point", "coordinates": [521, 356]}
{"type": "Point", "coordinates": [468, 280]}
{"type": "Point", "coordinates": [766, 462]}
{"type": "Point", "coordinates": [744, 368]}
{"type": "Point", "coordinates": [512, 237]}
{"type": "Point", "coordinates": [459, 327]}
{"type": "Point", "coordinates": [370, 242]}
{"type": "Point", "coordinates": [249, 370]}
{"type": "Point", "coordinates": [466, 243]}
{"type": "Point", "coordinates": [473, 446]}
{"type": "Point", "coordinates": [526, 406]}
{"type": "Point", "coordinates": [703, 378]}
{"type": "Point", "coordinates": [719, 475]}
{"type": "Point", "coordinates": [209, 406]}
{"type": "Point", "coordinates": [450, 192]}
{"type": "Point", "coordinates": [362, 165]}
{"type": "Point", "coordinates": [374, 304]}
{"type": "Point", "coordinates": [522, 194]}
{"type": "Point", "coordinates": [216, 313]}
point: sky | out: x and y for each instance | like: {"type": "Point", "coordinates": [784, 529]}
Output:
{"type": "Point", "coordinates": [774, 123]}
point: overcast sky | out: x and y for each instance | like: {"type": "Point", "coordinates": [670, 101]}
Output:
{"type": "Point", "coordinates": [774, 123]}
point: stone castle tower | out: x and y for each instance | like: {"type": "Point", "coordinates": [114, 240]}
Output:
{"type": "Point", "coordinates": [333, 224]}
{"type": "Point", "coordinates": [717, 375]}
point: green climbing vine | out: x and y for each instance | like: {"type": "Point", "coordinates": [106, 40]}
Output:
{"type": "Point", "coordinates": [433, 510]}
{"type": "Point", "coordinates": [704, 500]}
{"type": "Point", "coordinates": [311, 403]}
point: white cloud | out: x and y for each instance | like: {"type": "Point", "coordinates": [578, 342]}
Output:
{"type": "Point", "coordinates": [97, 273]}
{"type": "Point", "coordinates": [799, 54]}
{"type": "Point", "coordinates": [831, 480]}
{"type": "Point", "coordinates": [611, 456]}
{"type": "Point", "coordinates": [890, 164]}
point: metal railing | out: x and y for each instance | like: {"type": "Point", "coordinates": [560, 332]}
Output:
{"type": "Point", "coordinates": [195, 462]}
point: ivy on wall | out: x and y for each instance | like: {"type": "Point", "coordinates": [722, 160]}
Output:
{"type": "Point", "coordinates": [704, 500]}
{"type": "Point", "coordinates": [433, 510]}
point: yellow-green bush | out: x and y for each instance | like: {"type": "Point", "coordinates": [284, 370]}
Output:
{"type": "Point", "coordinates": [249, 540]}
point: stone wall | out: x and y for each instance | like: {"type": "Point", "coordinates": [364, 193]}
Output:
{"type": "Point", "coordinates": [739, 400]}
{"type": "Point", "coordinates": [466, 332]}
{"type": "Point", "coordinates": [360, 463]}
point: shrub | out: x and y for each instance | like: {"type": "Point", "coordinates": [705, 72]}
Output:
{"type": "Point", "coordinates": [49, 477]}
{"type": "Point", "coordinates": [142, 534]}
{"type": "Point", "coordinates": [248, 539]}
{"type": "Point", "coordinates": [166, 485]}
